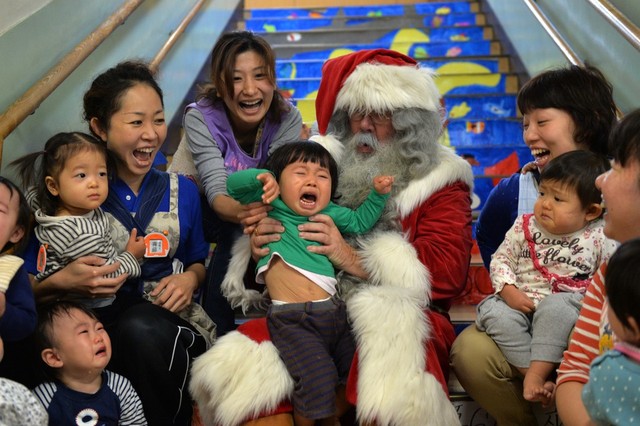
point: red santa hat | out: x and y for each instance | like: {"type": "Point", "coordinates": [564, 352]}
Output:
{"type": "Point", "coordinates": [378, 80]}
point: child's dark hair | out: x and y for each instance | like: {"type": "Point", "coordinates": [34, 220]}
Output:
{"type": "Point", "coordinates": [103, 99]}
{"type": "Point", "coordinates": [47, 315]}
{"type": "Point", "coordinates": [57, 151]}
{"type": "Point", "coordinates": [305, 151]}
{"type": "Point", "coordinates": [24, 216]}
{"type": "Point", "coordinates": [578, 170]}
{"type": "Point", "coordinates": [621, 282]}
{"type": "Point", "coordinates": [624, 142]}
{"type": "Point", "coordinates": [583, 93]}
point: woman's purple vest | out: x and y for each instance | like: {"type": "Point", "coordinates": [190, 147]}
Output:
{"type": "Point", "coordinates": [215, 117]}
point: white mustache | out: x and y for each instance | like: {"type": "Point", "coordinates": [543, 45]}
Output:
{"type": "Point", "coordinates": [366, 139]}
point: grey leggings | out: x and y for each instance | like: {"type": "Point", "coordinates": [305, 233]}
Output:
{"type": "Point", "coordinates": [541, 336]}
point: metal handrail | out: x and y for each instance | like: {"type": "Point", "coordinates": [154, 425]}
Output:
{"type": "Point", "coordinates": [175, 35]}
{"type": "Point", "coordinates": [36, 94]}
{"type": "Point", "coordinates": [620, 22]}
{"type": "Point", "coordinates": [553, 33]}
{"type": "Point", "coordinates": [613, 15]}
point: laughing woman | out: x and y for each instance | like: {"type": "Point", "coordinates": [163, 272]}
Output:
{"type": "Point", "coordinates": [152, 346]}
{"type": "Point", "coordinates": [236, 123]}
{"type": "Point", "coordinates": [564, 109]}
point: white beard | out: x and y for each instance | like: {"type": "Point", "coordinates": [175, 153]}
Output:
{"type": "Point", "coordinates": [356, 181]}
{"type": "Point", "coordinates": [358, 170]}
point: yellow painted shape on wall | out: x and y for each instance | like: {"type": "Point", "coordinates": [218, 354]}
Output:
{"type": "Point", "coordinates": [405, 37]}
{"type": "Point", "coordinates": [444, 138]}
{"type": "Point", "coordinates": [294, 70]}
{"type": "Point", "coordinates": [461, 73]}
{"type": "Point", "coordinates": [460, 37]}
{"type": "Point", "coordinates": [307, 107]}
{"type": "Point", "coordinates": [447, 83]}
{"type": "Point", "coordinates": [340, 52]}
{"type": "Point", "coordinates": [462, 67]}
{"type": "Point", "coordinates": [459, 110]}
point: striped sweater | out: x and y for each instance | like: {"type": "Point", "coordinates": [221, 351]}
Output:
{"type": "Point", "coordinates": [116, 402]}
{"type": "Point", "coordinates": [592, 334]}
{"type": "Point", "coordinates": [67, 238]}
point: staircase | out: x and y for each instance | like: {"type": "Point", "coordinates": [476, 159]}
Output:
{"type": "Point", "coordinates": [474, 78]}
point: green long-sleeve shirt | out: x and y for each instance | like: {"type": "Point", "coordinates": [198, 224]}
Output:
{"type": "Point", "coordinates": [244, 187]}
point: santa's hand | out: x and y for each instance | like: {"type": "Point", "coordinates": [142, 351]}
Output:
{"type": "Point", "coordinates": [270, 187]}
{"type": "Point", "coordinates": [321, 229]}
{"type": "Point", "coordinates": [382, 184]}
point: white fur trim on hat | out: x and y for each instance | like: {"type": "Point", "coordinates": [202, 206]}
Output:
{"type": "Point", "coordinates": [238, 379]}
{"type": "Point", "coordinates": [331, 144]}
{"type": "Point", "coordinates": [378, 87]}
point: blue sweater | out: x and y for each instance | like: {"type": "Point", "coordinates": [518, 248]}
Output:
{"type": "Point", "coordinates": [498, 215]}
{"type": "Point", "coordinates": [19, 318]}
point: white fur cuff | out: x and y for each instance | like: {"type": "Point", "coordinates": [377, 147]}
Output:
{"type": "Point", "coordinates": [393, 262]}
{"type": "Point", "coordinates": [238, 379]}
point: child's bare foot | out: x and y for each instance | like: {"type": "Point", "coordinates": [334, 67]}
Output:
{"type": "Point", "coordinates": [550, 401]}
{"type": "Point", "coordinates": [536, 389]}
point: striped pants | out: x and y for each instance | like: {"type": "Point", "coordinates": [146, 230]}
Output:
{"type": "Point", "coordinates": [315, 343]}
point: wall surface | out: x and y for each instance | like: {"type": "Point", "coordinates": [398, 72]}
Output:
{"type": "Point", "coordinates": [267, 4]}
{"type": "Point", "coordinates": [40, 40]}
{"type": "Point", "coordinates": [14, 12]}
{"type": "Point", "coordinates": [588, 34]}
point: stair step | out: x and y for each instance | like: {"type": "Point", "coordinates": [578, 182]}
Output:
{"type": "Point", "coordinates": [269, 25]}
{"type": "Point", "coordinates": [430, 8]}
{"type": "Point", "coordinates": [379, 35]}
{"type": "Point", "coordinates": [414, 50]}
{"type": "Point", "coordinates": [463, 314]}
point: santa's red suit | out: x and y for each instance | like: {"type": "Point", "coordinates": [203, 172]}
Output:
{"type": "Point", "coordinates": [402, 330]}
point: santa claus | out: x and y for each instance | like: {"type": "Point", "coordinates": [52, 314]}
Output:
{"type": "Point", "coordinates": [378, 112]}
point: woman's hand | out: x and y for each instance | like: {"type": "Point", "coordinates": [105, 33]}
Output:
{"type": "Point", "coordinates": [85, 276]}
{"type": "Point", "coordinates": [321, 229]}
{"type": "Point", "coordinates": [251, 214]}
{"type": "Point", "coordinates": [175, 292]}
{"type": "Point", "coordinates": [264, 232]}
